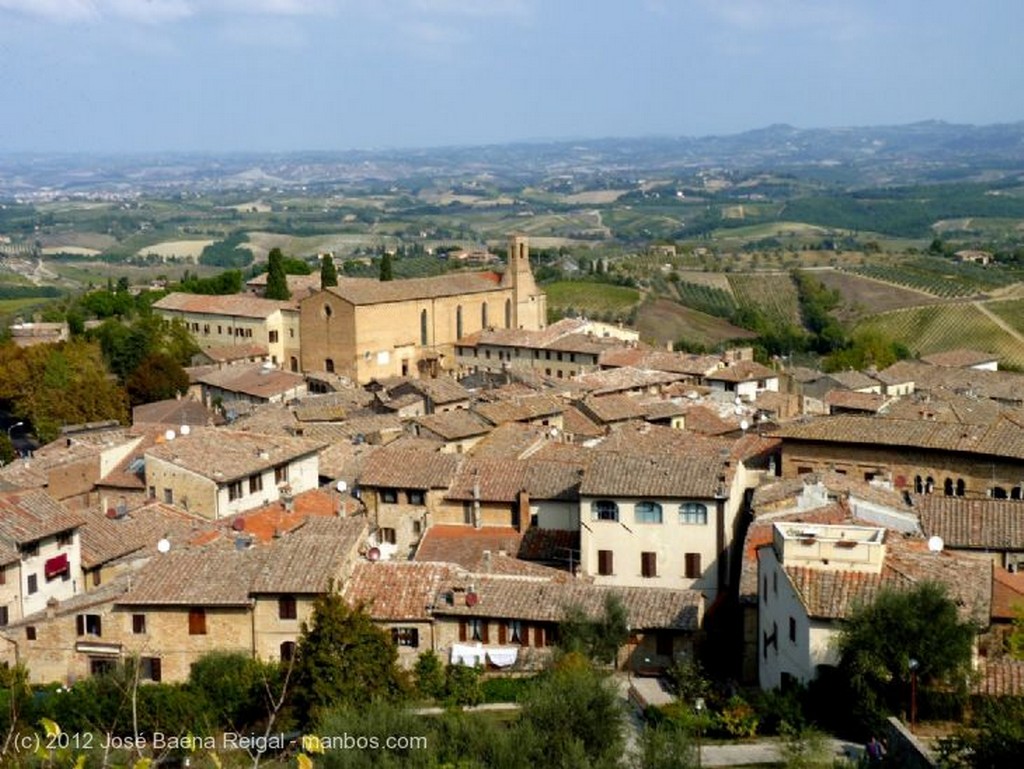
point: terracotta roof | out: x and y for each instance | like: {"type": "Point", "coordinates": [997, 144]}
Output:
{"type": "Point", "coordinates": [234, 305]}
{"type": "Point", "coordinates": [409, 469]}
{"type": "Point", "coordinates": [701, 419]}
{"type": "Point", "coordinates": [441, 391]}
{"type": "Point", "coordinates": [853, 380]}
{"type": "Point", "coordinates": [273, 519]}
{"type": "Point", "coordinates": [855, 401]}
{"type": "Point", "coordinates": [106, 539]}
{"type": "Point", "coordinates": [578, 424]}
{"type": "Point", "coordinates": [1003, 438]}
{"type": "Point", "coordinates": [231, 352]}
{"type": "Point", "coordinates": [984, 524]}
{"type": "Point", "coordinates": [612, 408]}
{"type": "Point", "coordinates": [398, 590]}
{"type": "Point", "coordinates": [30, 515]}
{"type": "Point", "coordinates": [520, 409]}
{"type": "Point", "coordinates": [466, 546]}
{"type": "Point", "coordinates": [540, 601]}
{"type": "Point", "coordinates": [362, 291]}
{"type": "Point", "coordinates": [454, 425]}
{"type": "Point", "coordinates": [512, 440]}
{"type": "Point", "coordinates": [960, 358]}
{"type": "Point", "coordinates": [613, 474]}
{"type": "Point", "coordinates": [226, 455]}
{"type": "Point", "coordinates": [299, 285]}
{"type": "Point", "coordinates": [1001, 678]}
{"type": "Point", "coordinates": [501, 480]}
{"type": "Point", "coordinates": [626, 378]}
{"type": "Point", "coordinates": [1000, 385]}
{"type": "Point", "coordinates": [255, 381]}
{"type": "Point", "coordinates": [672, 362]}
{"type": "Point", "coordinates": [742, 371]}
{"type": "Point", "coordinates": [195, 578]}
{"type": "Point", "coordinates": [540, 544]}
{"type": "Point", "coordinates": [309, 559]}
{"type": "Point", "coordinates": [175, 412]}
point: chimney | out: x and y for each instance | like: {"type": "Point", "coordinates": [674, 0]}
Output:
{"type": "Point", "coordinates": [487, 561]}
{"type": "Point", "coordinates": [477, 523]}
{"type": "Point", "coordinates": [523, 511]}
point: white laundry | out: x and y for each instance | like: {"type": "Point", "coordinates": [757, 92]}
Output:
{"type": "Point", "coordinates": [465, 654]}
{"type": "Point", "coordinates": [503, 658]}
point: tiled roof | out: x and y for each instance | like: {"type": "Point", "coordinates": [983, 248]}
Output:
{"type": "Point", "coordinates": [408, 469]}
{"type": "Point", "coordinates": [613, 474]}
{"type": "Point", "coordinates": [512, 440]}
{"type": "Point", "coordinates": [234, 305]}
{"type": "Point", "coordinates": [106, 539]}
{"type": "Point", "coordinates": [1000, 385]}
{"type": "Point", "coordinates": [466, 546]}
{"type": "Point", "coordinates": [272, 520]}
{"type": "Point", "coordinates": [612, 408]}
{"type": "Point", "coordinates": [853, 380]}
{"type": "Point", "coordinates": [501, 480]}
{"type": "Point", "coordinates": [398, 590]}
{"type": "Point", "coordinates": [229, 352]}
{"type": "Point", "coordinates": [540, 544]}
{"type": "Point", "coordinates": [855, 401]}
{"type": "Point", "coordinates": [960, 358]}
{"type": "Point", "coordinates": [541, 601]}
{"type": "Point", "coordinates": [1003, 438]}
{"type": "Point", "coordinates": [701, 419]}
{"type": "Point", "coordinates": [307, 560]}
{"type": "Point", "coordinates": [195, 578]}
{"type": "Point", "coordinates": [253, 380]}
{"type": "Point", "coordinates": [362, 291]}
{"type": "Point", "coordinates": [985, 524]}
{"type": "Point", "coordinates": [742, 371]}
{"type": "Point", "coordinates": [1007, 594]}
{"type": "Point", "coordinates": [1001, 678]}
{"type": "Point", "coordinates": [672, 362]}
{"type": "Point", "coordinates": [626, 378]}
{"type": "Point", "coordinates": [520, 409]}
{"type": "Point", "coordinates": [226, 455]}
{"type": "Point", "coordinates": [454, 425]}
{"type": "Point", "coordinates": [441, 391]}
{"type": "Point", "coordinates": [174, 412]}
{"type": "Point", "coordinates": [579, 425]}
{"type": "Point", "coordinates": [30, 515]}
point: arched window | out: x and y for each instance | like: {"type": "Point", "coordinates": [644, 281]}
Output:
{"type": "Point", "coordinates": [508, 313]}
{"type": "Point", "coordinates": [693, 512]}
{"type": "Point", "coordinates": [458, 322]}
{"type": "Point", "coordinates": [294, 364]}
{"type": "Point", "coordinates": [929, 485]}
{"type": "Point", "coordinates": [647, 512]}
{"type": "Point", "coordinates": [960, 487]}
{"type": "Point", "coordinates": [1015, 492]}
{"type": "Point", "coordinates": [329, 365]}
{"type": "Point", "coordinates": [423, 328]}
{"type": "Point", "coordinates": [947, 487]}
{"type": "Point", "coordinates": [997, 492]}
{"type": "Point", "coordinates": [287, 651]}
{"type": "Point", "coordinates": [605, 510]}
{"type": "Point", "coordinates": [483, 315]}
{"type": "Point", "coordinates": [328, 311]}
{"type": "Point", "coordinates": [918, 485]}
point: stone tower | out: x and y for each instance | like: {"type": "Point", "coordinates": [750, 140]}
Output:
{"type": "Point", "coordinates": [528, 306]}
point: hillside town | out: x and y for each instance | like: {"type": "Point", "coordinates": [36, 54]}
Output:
{"type": "Point", "coordinates": [435, 452]}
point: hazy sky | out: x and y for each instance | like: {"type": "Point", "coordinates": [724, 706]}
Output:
{"type": "Point", "coordinates": [138, 75]}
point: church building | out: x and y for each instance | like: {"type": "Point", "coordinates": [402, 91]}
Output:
{"type": "Point", "coordinates": [365, 329]}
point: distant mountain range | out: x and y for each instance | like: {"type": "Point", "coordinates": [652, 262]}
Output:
{"type": "Point", "coordinates": [919, 152]}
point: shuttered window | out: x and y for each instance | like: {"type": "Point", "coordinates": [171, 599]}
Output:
{"type": "Point", "coordinates": [604, 562]}
{"type": "Point", "coordinates": [648, 564]}
{"type": "Point", "coordinates": [197, 621]}
{"type": "Point", "coordinates": [693, 570]}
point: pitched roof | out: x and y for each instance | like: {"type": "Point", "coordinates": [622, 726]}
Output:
{"type": "Point", "coordinates": [985, 524]}
{"type": "Point", "coordinates": [1007, 594]}
{"type": "Point", "coordinates": [1003, 677]}
{"type": "Point", "coordinates": [614, 474]}
{"type": "Point", "coordinates": [30, 515]}
{"type": "Point", "coordinates": [454, 425]}
{"type": "Point", "coordinates": [310, 558]}
{"type": "Point", "coordinates": [960, 358]}
{"type": "Point", "coordinates": [233, 305]}
{"type": "Point", "coordinates": [175, 411]}
{"type": "Point", "coordinates": [520, 409]}
{"type": "Point", "coordinates": [231, 352]}
{"type": "Point", "coordinates": [742, 371]}
{"type": "Point", "coordinates": [226, 455]}
{"type": "Point", "coordinates": [625, 378]}
{"type": "Point", "coordinates": [398, 590]}
{"type": "Point", "coordinates": [490, 549]}
{"type": "Point", "coordinates": [543, 601]}
{"type": "Point", "coordinates": [402, 468]}
{"type": "Point", "coordinates": [106, 539]}
{"type": "Point", "coordinates": [253, 380]}
{"type": "Point", "coordinates": [512, 440]}
{"type": "Point", "coordinates": [855, 401]}
{"type": "Point", "coordinates": [363, 291]}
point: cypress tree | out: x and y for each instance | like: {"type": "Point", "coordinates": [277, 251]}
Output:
{"type": "Point", "coordinates": [328, 272]}
{"type": "Point", "coordinates": [277, 283]}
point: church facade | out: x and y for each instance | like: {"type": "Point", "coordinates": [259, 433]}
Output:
{"type": "Point", "coordinates": [365, 329]}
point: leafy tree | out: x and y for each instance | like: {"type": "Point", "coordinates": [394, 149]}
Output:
{"type": "Point", "coordinates": [879, 639]}
{"type": "Point", "coordinates": [6, 448]}
{"type": "Point", "coordinates": [994, 740]}
{"type": "Point", "coordinates": [277, 282]}
{"type": "Point", "coordinates": [430, 675]}
{"type": "Point", "coordinates": [343, 658]}
{"type": "Point", "coordinates": [665, 746]}
{"type": "Point", "coordinates": [386, 268]}
{"type": "Point", "coordinates": [328, 272]}
{"type": "Point", "coordinates": [462, 685]}
{"type": "Point", "coordinates": [599, 638]}
{"type": "Point", "coordinates": [157, 377]}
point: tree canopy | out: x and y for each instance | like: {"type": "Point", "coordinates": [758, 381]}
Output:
{"type": "Point", "coordinates": [387, 271]}
{"type": "Point", "coordinates": [328, 272]}
{"type": "Point", "coordinates": [277, 281]}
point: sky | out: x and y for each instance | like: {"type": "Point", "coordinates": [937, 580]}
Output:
{"type": "Point", "coordinates": [130, 76]}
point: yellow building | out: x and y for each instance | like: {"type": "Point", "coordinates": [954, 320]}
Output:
{"type": "Point", "coordinates": [366, 329]}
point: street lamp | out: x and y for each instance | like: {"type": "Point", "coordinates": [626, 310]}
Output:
{"type": "Point", "coordinates": [698, 705]}
{"type": "Point", "coordinates": [913, 664]}
{"type": "Point", "coordinates": [9, 429]}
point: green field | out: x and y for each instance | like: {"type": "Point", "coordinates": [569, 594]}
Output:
{"type": "Point", "coordinates": [941, 327]}
{"type": "Point", "coordinates": [594, 299]}
{"type": "Point", "coordinates": [772, 293]}
{"type": "Point", "coordinates": [11, 307]}
{"type": "Point", "coordinates": [663, 322]}
{"type": "Point", "coordinates": [1010, 311]}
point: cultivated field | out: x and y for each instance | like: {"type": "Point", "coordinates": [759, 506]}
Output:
{"type": "Point", "coordinates": [663, 321]}
{"type": "Point", "coordinates": [1011, 312]}
{"type": "Point", "coordinates": [945, 327]}
{"type": "Point", "coordinates": [773, 293]}
{"type": "Point", "coordinates": [863, 297]}
{"type": "Point", "coordinates": [181, 249]}
{"type": "Point", "coordinates": [592, 299]}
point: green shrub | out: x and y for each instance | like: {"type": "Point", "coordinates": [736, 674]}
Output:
{"type": "Point", "coordinates": [738, 718]}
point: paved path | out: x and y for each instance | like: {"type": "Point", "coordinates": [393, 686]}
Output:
{"type": "Point", "coordinates": [763, 752]}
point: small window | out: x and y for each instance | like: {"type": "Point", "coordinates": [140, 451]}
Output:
{"type": "Point", "coordinates": [97, 577]}
{"type": "Point", "coordinates": [692, 565]}
{"type": "Point", "coordinates": [476, 629]}
{"type": "Point", "coordinates": [234, 491]}
{"type": "Point", "coordinates": [151, 491]}
{"type": "Point", "coordinates": [197, 621]}
{"type": "Point", "coordinates": [30, 549]}
{"type": "Point", "coordinates": [389, 496]}
{"type": "Point", "coordinates": [287, 650]}
{"type": "Point", "coordinates": [286, 607]}
{"type": "Point", "coordinates": [663, 644]}
{"type": "Point", "coordinates": [693, 512]}
{"type": "Point", "coordinates": [3, 576]}
{"type": "Point", "coordinates": [30, 633]}
{"type": "Point", "coordinates": [281, 474]}
{"type": "Point", "coordinates": [605, 510]}
{"type": "Point", "coordinates": [387, 535]}
{"type": "Point", "coordinates": [149, 669]}
{"type": "Point", "coordinates": [89, 624]}
{"type": "Point", "coordinates": [405, 636]}
{"type": "Point", "coordinates": [514, 630]}
{"type": "Point", "coordinates": [65, 538]}
{"type": "Point", "coordinates": [32, 584]}
{"type": "Point", "coordinates": [272, 337]}
{"type": "Point", "coordinates": [647, 512]}
{"type": "Point", "coordinates": [792, 630]}
{"type": "Point", "coordinates": [138, 624]}
{"type": "Point", "coordinates": [604, 563]}
{"type": "Point", "coordinates": [168, 496]}
{"type": "Point", "coordinates": [648, 564]}
{"type": "Point", "coordinates": [4, 616]}
{"type": "Point", "coordinates": [414, 497]}
{"type": "Point", "coordinates": [255, 483]}
{"type": "Point", "coordinates": [329, 365]}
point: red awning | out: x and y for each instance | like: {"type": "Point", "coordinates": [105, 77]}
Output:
{"type": "Point", "coordinates": [56, 565]}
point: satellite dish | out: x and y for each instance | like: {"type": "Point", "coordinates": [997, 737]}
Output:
{"type": "Point", "coordinates": [935, 544]}
{"type": "Point", "coordinates": [164, 545]}
{"type": "Point", "coordinates": [472, 599]}
{"type": "Point", "coordinates": [744, 424]}
{"type": "Point", "coordinates": [342, 486]}
{"type": "Point", "coordinates": [737, 400]}
{"type": "Point", "coordinates": [738, 410]}
{"type": "Point", "coordinates": [185, 430]}
{"type": "Point", "coordinates": [169, 435]}
{"type": "Point", "coordinates": [373, 554]}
